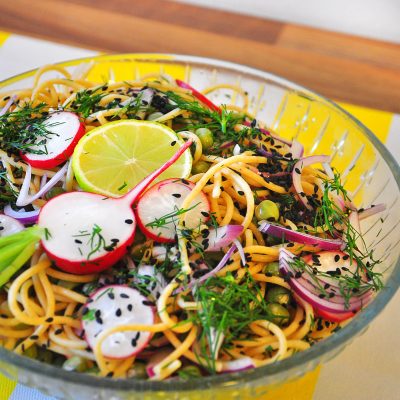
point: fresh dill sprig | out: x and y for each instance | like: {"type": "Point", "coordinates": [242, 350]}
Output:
{"type": "Point", "coordinates": [7, 193]}
{"type": "Point", "coordinates": [223, 123]}
{"type": "Point", "coordinates": [86, 101]}
{"type": "Point", "coordinates": [95, 240]}
{"type": "Point", "coordinates": [227, 307]}
{"type": "Point", "coordinates": [20, 129]}
{"type": "Point", "coordinates": [170, 217]}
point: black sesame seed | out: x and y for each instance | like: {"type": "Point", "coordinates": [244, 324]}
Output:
{"type": "Point", "coordinates": [240, 193]}
{"type": "Point", "coordinates": [118, 313]}
{"type": "Point", "coordinates": [177, 195]}
{"type": "Point", "coordinates": [50, 320]}
{"type": "Point", "coordinates": [173, 143]}
{"type": "Point", "coordinates": [129, 221]}
{"type": "Point", "coordinates": [337, 258]}
{"type": "Point", "coordinates": [205, 214]}
{"type": "Point", "coordinates": [130, 307]}
{"type": "Point", "coordinates": [115, 240]}
{"type": "Point", "coordinates": [99, 321]}
{"type": "Point", "coordinates": [346, 257]}
{"type": "Point", "coordinates": [110, 374]}
{"type": "Point", "coordinates": [134, 342]}
{"type": "Point", "coordinates": [148, 303]}
{"type": "Point", "coordinates": [34, 337]}
{"type": "Point", "coordinates": [297, 171]}
{"type": "Point", "coordinates": [97, 313]}
{"type": "Point", "coordinates": [124, 296]}
{"type": "Point", "coordinates": [111, 295]}
{"type": "Point", "coordinates": [78, 241]}
{"type": "Point", "coordinates": [58, 331]}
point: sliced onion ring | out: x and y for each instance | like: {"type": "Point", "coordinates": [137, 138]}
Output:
{"type": "Point", "coordinates": [369, 212]}
{"type": "Point", "coordinates": [300, 237]}
{"type": "Point", "coordinates": [296, 175]}
{"type": "Point", "coordinates": [24, 198]}
{"type": "Point", "coordinates": [25, 217]}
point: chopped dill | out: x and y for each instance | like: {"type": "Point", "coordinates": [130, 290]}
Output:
{"type": "Point", "coordinates": [170, 217]}
{"type": "Point", "coordinates": [20, 129]}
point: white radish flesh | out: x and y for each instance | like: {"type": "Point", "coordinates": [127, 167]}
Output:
{"type": "Point", "coordinates": [163, 202]}
{"type": "Point", "coordinates": [64, 131]}
{"type": "Point", "coordinates": [113, 306]}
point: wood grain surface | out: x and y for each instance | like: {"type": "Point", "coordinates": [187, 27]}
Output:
{"type": "Point", "coordinates": [342, 67]}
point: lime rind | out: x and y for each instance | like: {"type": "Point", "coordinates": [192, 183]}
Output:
{"type": "Point", "coordinates": [113, 158]}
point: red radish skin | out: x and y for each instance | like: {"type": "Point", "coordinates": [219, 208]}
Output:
{"type": "Point", "coordinates": [117, 305]}
{"type": "Point", "coordinates": [87, 232]}
{"type": "Point", "coordinates": [164, 198]}
{"type": "Point", "coordinates": [67, 130]}
{"type": "Point", "coordinates": [199, 96]}
{"type": "Point", "coordinates": [334, 317]}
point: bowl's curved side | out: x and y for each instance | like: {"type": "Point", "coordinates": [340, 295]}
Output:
{"type": "Point", "coordinates": [372, 176]}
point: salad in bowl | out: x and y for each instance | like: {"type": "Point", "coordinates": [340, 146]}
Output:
{"type": "Point", "coordinates": [153, 231]}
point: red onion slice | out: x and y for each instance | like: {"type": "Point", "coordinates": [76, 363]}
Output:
{"type": "Point", "coordinates": [8, 105]}
{"type": "Point", "coordinates": [213, 272]}
{"type": "Point", "coordinates": [285, 257]}
{"type": "Point", "coordinates": [25, 217]}
{"type": "Point", "coordinates": [297, 150]}
{"type": "Point", "coordinates": [300, 237]}
{"type": "Point", "coordinates": [24, 198]}
{"type": "Point", "coordinates": [240, 364]}
{"type": "Point", "coordinates": [268, 133]}
{"type": "Point", "coordinates": [369, 212]}
{"type": "Point", "coordinates": [296, 175]}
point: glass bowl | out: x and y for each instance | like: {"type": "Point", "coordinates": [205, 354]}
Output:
{"type": "Point", "coordinates": [371, 174]}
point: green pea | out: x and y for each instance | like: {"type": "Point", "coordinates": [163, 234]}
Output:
{"type": "Point", "coordinates": [278, 294]}
{"type": "Point", "coordinates": [200, 167]}
{"type": "Point", "coordinates": [53, 192]}
{"type": "Point", "coordinates": [31, 352]}
{"type": "Point", "coordinates": [75, 363]}
{"type": "Point", "coordinates": [45, 355]}
{"type": "Point", "coordinates": [191, 371]}
{"type": "Point", "coordinates": [154, 115]}
{"type": "Point", "coordinates": [271, 269]}
{"type": "Point", "coordinates": [267, 209]}
{"type": "Point", "coordinates": [278, 314]}
{"type": "Point", "coordinates": [206, 137]}
{"type": "Point", "coordinates": [138, 371]}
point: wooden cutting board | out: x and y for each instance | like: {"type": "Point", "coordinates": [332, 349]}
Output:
{"type": "Point", "coordinates": [342, 67]}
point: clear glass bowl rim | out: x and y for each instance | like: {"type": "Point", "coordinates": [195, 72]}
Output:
{"type": "Point", "coordinates": [338, 340]}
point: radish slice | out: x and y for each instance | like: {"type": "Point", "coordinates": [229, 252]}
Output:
{"type": "Point", "coordinates": [117, 305]}
{"type": "Point", "coordinates": [157, 210]}
{"type": "Point", "coordinates": [65, 129]}
{"type": "Point", "coordinates": [153, 280]}
{"type": "Point", "coordinates": [215, 239]}
{"type": "Point", "coordinates": [199, 96]}
{"type": "Point", "coordinates": [87, 232]}
{"type": "Point", "coordinates": [9, 226]}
